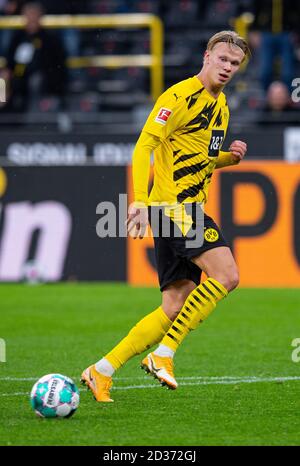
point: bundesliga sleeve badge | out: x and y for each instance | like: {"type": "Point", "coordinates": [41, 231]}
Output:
{"type": "Point", "coordinates": [163, 115]}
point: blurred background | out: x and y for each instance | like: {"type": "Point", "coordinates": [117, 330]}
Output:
{"type": "Point", "coordinates": [80, 79]}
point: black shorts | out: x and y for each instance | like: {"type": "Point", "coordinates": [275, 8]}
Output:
{"type": "Point", "coordinates": [173, 257]}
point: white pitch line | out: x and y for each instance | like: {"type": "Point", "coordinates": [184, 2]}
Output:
{"type": "Point", "coordinates": [31, 379]}
{"type": "Point", "coordinates": [14, 394]}
{"type": "Point", "coordinates": [17, 379]}
{"type": "Point", "coordinates": [218, 382]}
{"type": "Point", "coordinates": [195, 377]}
{"type": "Point", "coordinates": [201, 378]}
{"type": "Point", "coordinates": [211, 381]}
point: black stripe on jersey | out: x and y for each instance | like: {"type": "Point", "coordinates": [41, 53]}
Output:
{"type": "Point", "coordinates": [189, 170]}
{"type": "Point", "coordinates": [218, 120]}
{"type": "Point", "coordinates": [192, 99]}
{"type": "Point", "coordinates": [184, 157]}
{"type": "Point", "coordinates": [175, 152]}
{"type": "Point", "coordinates": [193, 190]}
{"type": "Point", "coordinates": [203, 118]}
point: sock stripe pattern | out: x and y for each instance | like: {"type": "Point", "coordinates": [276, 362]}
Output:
{"type": "Point", "coordinates": [185, 316]}
{"type": "Point", "coordinates": [196, 298]}
{"type": "Point", "coordinates": [215, 286]}
{"type": "Point", "coordinates": [174, 338]}
{"type": "Point", "coordinates": [197, 307]}
{"type": "Point", "coordinates": [209, 291]}
{"type": "Point", "coordinates": [202, 294]}
{"type": "Point", "coordinates": [192, 304]}
{"type": "Point", "coordinates": [177, 329]}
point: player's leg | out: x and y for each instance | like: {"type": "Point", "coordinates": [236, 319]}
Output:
{"type": "Point", "coordinates": [219, 264]}
{"type": "Point", "coordinates": [146, 333]}
{"type": "Point", "coordinates": [151, 329]}
{"type": "Point", "coordinates": [160, 362]}
{"type": "Point", "coordinates": [221, 270]}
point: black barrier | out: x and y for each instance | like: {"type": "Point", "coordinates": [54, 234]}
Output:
{"type": "Point", "coordinates": [112, 149]}
{"type": "Point", "coordinates": [48, 224]}
{"type": "Point", "coordinates": [48, 149]}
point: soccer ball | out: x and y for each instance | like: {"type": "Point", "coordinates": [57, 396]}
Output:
{"type": "Point", "coordinates": [54, 395]}
{"type": "Point", "coordinates": [32, 273]}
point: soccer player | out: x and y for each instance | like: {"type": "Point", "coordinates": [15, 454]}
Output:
{"type": "Point", "coordinates": [185, 129]}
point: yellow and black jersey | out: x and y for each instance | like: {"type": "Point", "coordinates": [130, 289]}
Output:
{"type": "Point", "coordinates": [191, 126]}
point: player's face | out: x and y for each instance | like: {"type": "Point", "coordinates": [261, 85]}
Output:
{"type": "Point", "coordinates": [222, 62]}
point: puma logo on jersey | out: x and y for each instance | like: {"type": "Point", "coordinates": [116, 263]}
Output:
{"type": "Point", "coordinates": [163, 115]}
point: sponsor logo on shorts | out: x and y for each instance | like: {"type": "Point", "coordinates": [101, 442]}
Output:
{"type": "Point", "coordinates": [211, 235]}
{"type": "Point", "coordinates": [163, 116]}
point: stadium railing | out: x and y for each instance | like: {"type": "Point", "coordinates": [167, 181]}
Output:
{"type": "Point", "coordinates": [153, 61]}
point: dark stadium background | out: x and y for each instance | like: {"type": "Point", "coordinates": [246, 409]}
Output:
{"type": "Point", "coordinates": [69, 119]}
{"type": "Point", "coordinates": [73, 146]}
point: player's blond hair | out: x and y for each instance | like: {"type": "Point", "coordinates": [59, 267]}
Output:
{"type": "Point", "coordinates": [229, 37]}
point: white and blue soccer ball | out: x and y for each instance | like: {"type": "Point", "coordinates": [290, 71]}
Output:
{"type": "Point", "coordinates": [54, 395]}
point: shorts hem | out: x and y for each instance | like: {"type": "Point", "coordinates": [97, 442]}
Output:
{"type": "Point", "coordinates": [172, 280]}
{"type": "Point", "coordinates": [208, 247]}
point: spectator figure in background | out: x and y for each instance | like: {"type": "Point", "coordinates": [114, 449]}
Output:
{"type": "Point", "coordinates": [278, 97]}
{"type": "Point", "coordinates": [70, 36]}
{"type": "Point", "coordinates": [8, 8]}
{"type": "Point", "coordinates": [11, 7]}
{"type": "Point", "coordinates": [279, 108]}
{"type": "Point", "coordinates": [35, 62]}
{"type": "Point", "coordinates": [276, 22]}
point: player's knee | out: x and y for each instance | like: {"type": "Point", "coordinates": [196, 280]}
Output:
{"type": "Point", "coordinates": [229, 279]}
{"type": "Point", "coordinates": [174, 299]}
{"type": "Point", "coordinates": [172, 309]}
{"type": "Point", "coordinates": [173, 305]}
{"type": "Point", "coordinates": [233, 281]}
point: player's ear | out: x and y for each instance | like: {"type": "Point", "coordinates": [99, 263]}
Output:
{"type": "Point", "coordinates": [206, 57]}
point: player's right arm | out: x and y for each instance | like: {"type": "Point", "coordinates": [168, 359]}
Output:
{"type": "Point", "coordinates": [166, 116]}
{"type": "Point", "coordinates": [137, 220]}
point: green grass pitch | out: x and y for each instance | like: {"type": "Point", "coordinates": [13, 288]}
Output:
{"type": "Point", "coordinates": [238, 384]}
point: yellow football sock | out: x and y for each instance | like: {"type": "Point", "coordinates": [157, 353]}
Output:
{"type": "Point", "coordinates": [146, 333]}
{"type": "Point", "coordinates": [197, 307]}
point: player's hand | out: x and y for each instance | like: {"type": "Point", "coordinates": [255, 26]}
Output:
{"type": "Point", "coordinates": [137, 221]}
{"type": "Point", "coordinates": [238, 150]}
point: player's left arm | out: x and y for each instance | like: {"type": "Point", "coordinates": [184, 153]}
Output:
{"type": "Point", "coordinates": [237, 152]}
